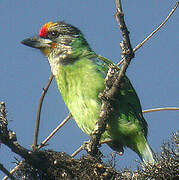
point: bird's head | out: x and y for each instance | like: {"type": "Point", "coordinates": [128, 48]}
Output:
{"type": "Point", "coordinates": [59, 39]}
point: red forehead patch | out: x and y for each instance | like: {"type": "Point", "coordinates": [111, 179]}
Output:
{"type": "Point", "coordinates": [44, 30]}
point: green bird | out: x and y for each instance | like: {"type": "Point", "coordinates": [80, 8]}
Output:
{"type": "Point", "coordinates": [80, 75]}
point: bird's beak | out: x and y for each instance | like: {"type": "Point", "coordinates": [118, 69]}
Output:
{"type": "Point", "coordinates": [37, 42]}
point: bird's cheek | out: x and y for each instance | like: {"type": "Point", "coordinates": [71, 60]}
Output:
{"type": "Point", "coordinates": [45, 51]}
{"type": "Point", "coordinates": [53, 45]}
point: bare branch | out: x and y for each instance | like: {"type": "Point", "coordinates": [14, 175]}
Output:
{"type": "Point", "coordinates": [54, 131]}
{"type": "Point", "coordinates": [36, 130]}
{"type": "Point", "coordinates": [162, 24]}
{"type": "Point", "coordinates": [81, 148]}
{"type": "Point", "coordinates": [161, 109]}
{"type": "Point", "coordinates": [13, 170]}
{"type": "Point", "coordinates": [8, 138]}
{"type": "Point", "coordinates": [112, 92]}
{"type": "Point", "coordinates": [84, 146]}
{"type": "Point", "coordinates": [5, 171]}
{"type": "Point", "coordinates": [159, 27]}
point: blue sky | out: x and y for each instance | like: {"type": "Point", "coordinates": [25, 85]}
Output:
{"type": "Point", "coordinates": [24, 71]}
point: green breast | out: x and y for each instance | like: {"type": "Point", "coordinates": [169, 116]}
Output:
{"type": "Point", "coordinates": [80, 84]}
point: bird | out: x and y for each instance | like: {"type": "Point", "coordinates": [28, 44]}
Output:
{"type": "Point", "coordinates": [80, 75]}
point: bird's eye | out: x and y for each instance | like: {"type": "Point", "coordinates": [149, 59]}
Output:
{"type": "Point", "coordinates": [53, 34]}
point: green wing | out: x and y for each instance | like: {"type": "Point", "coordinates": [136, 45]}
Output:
{"type": "Point", "coordinates": [129, 104]}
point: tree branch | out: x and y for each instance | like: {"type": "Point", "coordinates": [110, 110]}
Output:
{"type": "Point", "coordinates": [13, 170]}
{"type": "Point", "coordinates": [36, 130]}
{"type": "Point", "coordinates": [160, 26]}
{"type": "Point", "coordinates": [161, 109]}
{"type": "Point", "coordinates": [111, 92]}
{"type": "Point", "coordinates": [54, 131]}
{"type": "Point", "coordinates": [5, 171]}
{"type": "Point", "coordinates": [8, 138]}
{"type": "Point", "coordinates": [157, 29]}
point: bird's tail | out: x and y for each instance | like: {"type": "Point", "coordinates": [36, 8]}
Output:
{"type": "Point", "coordinates": [142, 148]}
{"type": "Point", "coordinates": [146, 154]}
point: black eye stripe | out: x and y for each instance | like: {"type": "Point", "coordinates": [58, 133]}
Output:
{"type": "Point", "coordinates": [53, 34]}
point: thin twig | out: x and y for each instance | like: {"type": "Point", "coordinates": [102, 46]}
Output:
{"type": "Point", "coordinates": [6, 172]}
{"type": "Point", "coordinates": [161, 109]}
{"type": "Point", "coordinates": [54, 131]}
{"type": "Point", "coordinates": [13, 170]}
{"type": "Point", "coordinates": [162, 24]}
{"type": "Point", "coordinates": [157, 29]}
{"type": "Point", "coordinates": [36, 130]}
{"type": "Point", "coordinates": [83, 146]}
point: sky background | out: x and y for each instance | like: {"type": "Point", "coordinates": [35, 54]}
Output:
{"type": "Point", "coordinates": [154, 72]}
